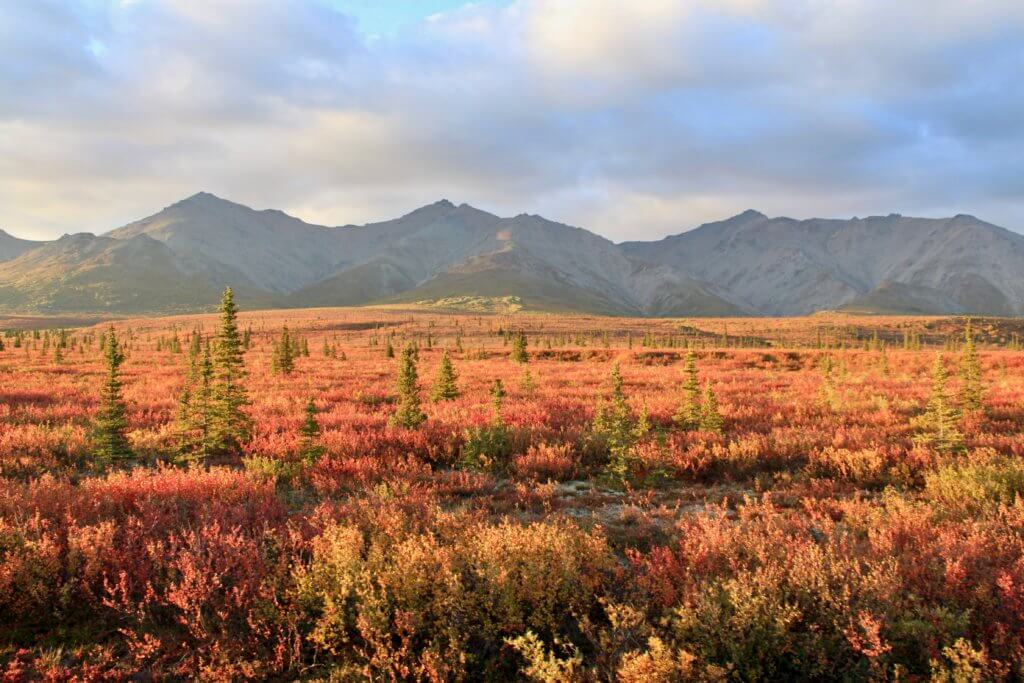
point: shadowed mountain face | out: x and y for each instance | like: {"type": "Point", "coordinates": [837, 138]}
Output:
{"type": "Point", "coordinates": [13, 247]}
{"type": "Point", "coordinates": [180, 258]}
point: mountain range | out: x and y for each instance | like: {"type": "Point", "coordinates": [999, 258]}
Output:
{"type": "Point", "coordinates": [452, 256]}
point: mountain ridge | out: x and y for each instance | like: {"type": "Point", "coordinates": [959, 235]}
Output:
{"type": "Point", "coordinates": [748, 264]}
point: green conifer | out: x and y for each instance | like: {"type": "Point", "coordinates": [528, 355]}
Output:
{"type": "Point", "coordinates": [710, 418]}
{"type": "Point", "coordinates": [497, 399]}
{"type": "Point", "coordinates": [972, 395]}
{"type": "Point", "coordinates": [445, 387]}
{"type": "Point", "coordinates": [938, 423]}
{"type": "Point", "coordinates": [283, 357]}
{"type": "Point", "coordinates": [409, 414]}
{"type": "Point", "coordinates": [526, 384]}
{"type": "Point", "coordinates": [111, 423]}
{"type": "Point", "coordinates": [687, 415]}
{"type": "Point", "coordinates": [310, 449]}
{"type": "Point", "coordinates": [519, 354]}
{"type": "Point", "coordinates": [229, 425]}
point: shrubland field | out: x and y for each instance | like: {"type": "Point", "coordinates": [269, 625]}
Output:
{"type": "Point", "coordinates": [637, 500]}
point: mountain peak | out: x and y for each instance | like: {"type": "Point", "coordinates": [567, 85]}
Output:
{"type": "Point", "coordinates": [750, 214]}
{"type": "Point", "coordinates": [438, 208]}
{"type": "Point", "coordinates": [202, 195]}
{"type": "Point", "coordinates": [207, 200]}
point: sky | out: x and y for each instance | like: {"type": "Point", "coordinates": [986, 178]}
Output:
{"type": "Point", "coordinates": [632, 118]}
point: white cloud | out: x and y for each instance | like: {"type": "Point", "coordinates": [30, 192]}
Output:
{"type": "Point", "coordinates": [634, 118]}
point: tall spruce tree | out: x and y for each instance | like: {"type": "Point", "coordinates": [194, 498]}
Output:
{"type": "Point", "coordinates": [111, 423]}
{"type": "Point", "coordinates": [445, 387]}
{"type": "Point", "coordinates": [687, 415]}
{"type": "Point", "coordinates": [409, 414]}
{"type": "Point", "coordinates": [972, 394]}
{"type": "Point", "coordinates": [229, 425]}
{"type": "Point", "coordinates": [938, 423]}
{"type": "Point", "coordinates": [202, 411]}
{"type": "Point", "coordinates": [185, 426]}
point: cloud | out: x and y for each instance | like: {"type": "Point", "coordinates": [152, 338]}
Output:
{"type": "Point", "coordinates": [633, 119]}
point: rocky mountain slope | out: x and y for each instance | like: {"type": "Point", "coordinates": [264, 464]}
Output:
{"type": "Point", "coordinates": [181, 257]}
{"type": "Point", "coordinates": [888, 264]}
{"type": "Point", "coordinates": [178, 258]}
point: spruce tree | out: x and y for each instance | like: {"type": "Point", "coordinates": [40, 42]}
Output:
{"type": "Point", "coordinates": [195, 346]}
{"type": "Point", "coordinates": [185, 425]}
{"type": "Point", "coordinates": [111, 423]}
{"type": "Point", "coordinates": [310, 449]}
{"type": "Point", "coordinates": [687, 415]}
{"type": "Point", "coordinates": [938, 423]}
{"type": "Point", "coordinates": [445, 388]}
{"type": "Point", "coordinates": [497, 399]}
{"type": "Point", "coordinates": [519, 353]}
{"type": "Point", "coordinates": [409, 414]}
{"type": "Point", "coordinates": [614, 426]}
{"type": "Point", "coordinates": [710, 418]}
{"type": "Point", "coordinates": [972, 395]}
{"type": "Point", "coordinates": [229, 425]}
{"type": "Point", "coordinates": [526, 384]}
{"type": "Point", "coordinates": [283, 357]}
{"type": "Point", "coordinates": [202, 409]}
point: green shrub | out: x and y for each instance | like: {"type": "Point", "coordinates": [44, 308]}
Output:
{"type": "Point", "coordinates": [975, 485]}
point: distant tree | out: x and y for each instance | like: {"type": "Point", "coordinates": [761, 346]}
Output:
{"type": "Point", "coordinates": [195, 346]}
{"type": "Point", "coordinates": [111, 423]}
{"type": "Point", "coordinates": [519, 354]}
{"type": "Point", "coordinates": [497, 399]}
{"type": "Point", "coordinates": [310, 449]}
{"type": "Point", "coordinates": [389, 349]}
{"type": "Point", "coordinates": [409, 414]}
{"type": "Point", "coordinates": [938, 423]}
{"type": "Point", "coordinates": [282, 360]}
{"type": "Point", "coordinates": [972, 394]}
{"type": "Point", "coordinates": [827, 392]}
{"type": "Point", "coordinates": [445, 387]}
{"type": "Point", "coordinates": [710, 418]}
{"type": "Point", "coordinates": [229, 425]}
{"type": "Point", "coordinates": [687, 415]}
{"type": "Point", "coordinates": [526, 384]}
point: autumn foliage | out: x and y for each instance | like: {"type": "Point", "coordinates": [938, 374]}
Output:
{"type": "Point", "coordinates": [548, 498]}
